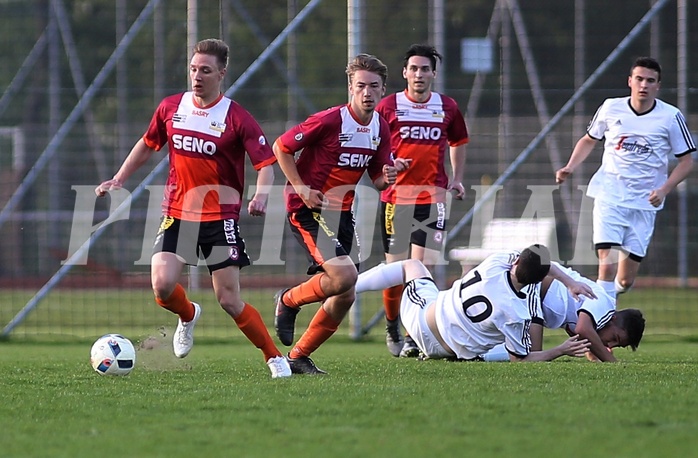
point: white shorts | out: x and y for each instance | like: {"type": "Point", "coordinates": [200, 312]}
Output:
{"type": "Point", "coordinates": [417, 297]}
{"type": "Point", "coordinates": [630, 228]}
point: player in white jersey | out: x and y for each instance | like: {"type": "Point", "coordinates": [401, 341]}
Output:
{"type": "Point", "coordinates": [640, 133]}
{"type": "Point", "coordinates": [593, 319]}
{"type": "Point", "coordinates": [484, 308]}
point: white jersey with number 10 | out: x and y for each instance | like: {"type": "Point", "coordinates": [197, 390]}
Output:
{"type": "Point", "coordinates": [483, 309]}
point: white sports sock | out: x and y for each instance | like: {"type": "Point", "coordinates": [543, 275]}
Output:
{"type": "Point", "coordinates": [609, 287]}
{"type": "Point", "coordinates": [498, 353]}
{"type": "Point", "coordinates": [380, 277]}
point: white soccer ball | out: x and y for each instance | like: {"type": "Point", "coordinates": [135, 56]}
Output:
{"type": "Point", "coordinates": [113, 354]}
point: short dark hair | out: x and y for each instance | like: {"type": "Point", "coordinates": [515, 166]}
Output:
{"type": "Point", "coordinates": [369, 63]}
{"type": "Point", "coordinates": [634, 324]}
{"type": "Point", "coordinates": [214, 47]}
{"type": "Point", "coordinates": [422, 51]}
{"type": "Point", "coordinates": [648, 62]}
{"type": "Point", "coordinates": [533, 265]}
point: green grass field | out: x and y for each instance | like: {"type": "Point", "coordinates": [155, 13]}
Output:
{"type": "Point", "coordinates": [220, 401]}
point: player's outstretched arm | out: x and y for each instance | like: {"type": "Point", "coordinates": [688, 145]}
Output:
{"type": "Point", "coordinates": [581, 151]}
{"type": "Point", "coordinates": [139, 155]}
{"type": "Point", "coordinates": [574, 346]}
{"type": "Point", "coordinates": [576, 288]}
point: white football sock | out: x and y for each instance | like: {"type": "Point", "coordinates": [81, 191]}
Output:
{"type": "Point", "coordinates": [498, 353]}
{"type": "Point", "coordinates": [380, 277]}
{"type": "Point", "coordinates": [609, 287]}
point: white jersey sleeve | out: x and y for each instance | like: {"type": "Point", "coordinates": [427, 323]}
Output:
{"type": "Point", "coordinates": [561, 310]}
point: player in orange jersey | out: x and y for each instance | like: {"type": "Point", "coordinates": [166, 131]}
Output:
{"type": "Point", "coordinates": [207, 135]}
{"type": "Point", "coordinates": [339, 145]}
{"type": "Point", "coordinates": [425, 127]}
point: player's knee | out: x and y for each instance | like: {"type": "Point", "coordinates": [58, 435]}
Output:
{"type": "Point", "coordinates": [163, 289]}
{"type": "Point", "coordinates": [623, 285]}
{"type": "Point", "coordinates": [342, 282]}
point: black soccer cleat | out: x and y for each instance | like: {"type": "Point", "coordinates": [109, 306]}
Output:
{"type": "Point", "coordinates": [410, 349]}
{"type": "Point", "coordinates": [393, 338]}
{"type": "Point", "coordinates": [284, 319]}
{"type": "Point", "coordinates": [304, 365]}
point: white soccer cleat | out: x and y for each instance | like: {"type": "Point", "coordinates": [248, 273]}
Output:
{"type": "Point", "coordinates": [183, 339]}
{"type": "Point", "coordinates": [279, 367]}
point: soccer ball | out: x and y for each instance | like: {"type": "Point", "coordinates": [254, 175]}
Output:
{"type": "Point", "coordinates": [113, 354]}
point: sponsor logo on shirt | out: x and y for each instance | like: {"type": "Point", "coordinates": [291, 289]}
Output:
{"type": "Point", "coordinates": [634, 145]}
{"type": "Point", "coordinates": [354, 160]}
{"type": "Point", "coordinates": [400, 113]}
{"type": "Point", "coordinates": [217, 126]}
{"type": "Point", "coordinates": [420, 132]}
{"type": "Point", "coordinates": [193, 144]}
{"type": "Point", "coordinates": [438, 114]}
{"type": "Point", "coordinates": [262, 140]}
{"type": "Point", "coordinates": [200, 113]}
{"type": "Point", "coordinates": [298, 137]}
{"type": "Point", "coordinates": [363, 129]}
{"type": "Point", "coordinates": [178, 117]}
{"type": "Point", "coordinates": [343, 137]}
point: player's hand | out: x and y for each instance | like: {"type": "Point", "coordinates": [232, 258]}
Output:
{"type": "Point", "coordinates": [562, 174]}
{"type": "Point", "coordinates": [389, 174]}
{"type": "Point", "coordinates": [592, 357]}
{"type": "Point", "coordinates": [257, 206]}
{"type": "Point", "coordinates": [313, 199]}
{"type": "Point", "coordinates": [109, 185]}
{"type": "Point", "coordinates": [457, 189]}
{"type": "Point", "coordinates": [574, 346]}
{"type": "Point", "coordinates": [579, 288]}
{"type": "Point", "coordinates": [656, 197]}
{"type": "Point", "coordinates": [402, 164]}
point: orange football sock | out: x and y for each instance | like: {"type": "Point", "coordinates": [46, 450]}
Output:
{"type": "Point", "coordinates": [391, 302]}
{"type": "Point", "coordinates": [178, 303]}
{"type": "Point", "coordinates": [251, 324]}
{"type": "Point", "coordinates": [321, 328]}
{"type": "Point", "coordinates": [306, 293]}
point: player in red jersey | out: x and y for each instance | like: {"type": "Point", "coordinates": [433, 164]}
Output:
{"type": "Point", "coordinates": [207, 135]}
{"type": "Point", "coordinates": [339, 145]}
{"type": "Point", "coordinates": [425, 127]}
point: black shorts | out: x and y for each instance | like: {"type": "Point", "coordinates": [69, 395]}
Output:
{"type": "Point", "coordinates": [217, 244]}
{"type": "Point", "coordinates": [419, 224]}
{"type": "Point", "coordinates": [324, 236]}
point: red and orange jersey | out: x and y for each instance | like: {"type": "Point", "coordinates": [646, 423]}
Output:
{"type": "Point", "coordinates": [422, 132]}
{"type": "Point", "coordinates": [207, 148]}
{"type": "Point", "coordinates": [337, 149]}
